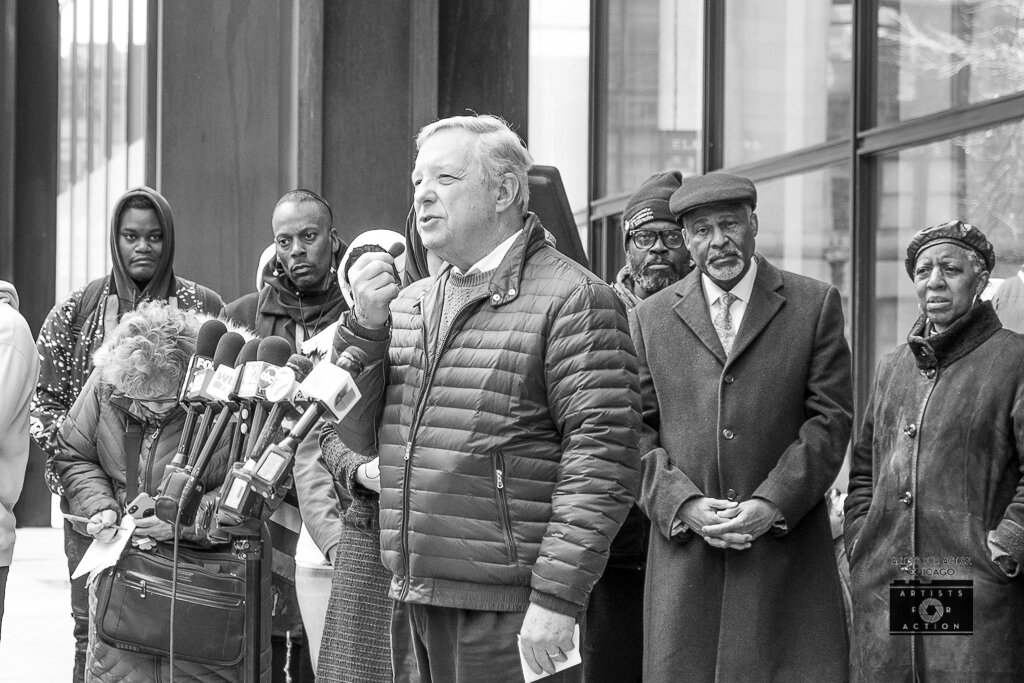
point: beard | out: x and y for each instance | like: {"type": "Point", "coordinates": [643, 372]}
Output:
{"type": "Point", "coordinates": [653, 279]}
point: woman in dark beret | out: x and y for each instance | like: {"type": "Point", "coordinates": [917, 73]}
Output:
{"type": "Point", "coordinates": [936, 489]}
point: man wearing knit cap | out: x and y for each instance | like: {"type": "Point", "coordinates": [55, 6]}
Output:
{"type": "Point", "coordinates": [745, 379]}
{"type": "Point", "coordinates": [656, 257]}
{"type": "Point", "coordinates": [503, 403]}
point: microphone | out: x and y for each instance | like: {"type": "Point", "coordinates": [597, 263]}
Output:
{"type": "Point", "coordinates": [280, 394]}
{"type": "Point", "coordinates": [332, 388]}
{"type": "Point", "coordinates": [173, 487]}
{"type": "Point", "coordinates": [263, 354]}
{"type": "Point", "coordinates": [202, 360]}
{"type": "Point", "coordinates": [222, 389]}
{"type": "Point", "coordinates": [228, 349]}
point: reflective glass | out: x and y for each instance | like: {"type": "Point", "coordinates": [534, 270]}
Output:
{"type": "Point", "coordinates": [974, 177]}
{"type": "Point", "coordinates": [559, 91]}
{"type": "Point", "coordinates": [654, 97]}
{"type": "Point", "coordinates": [101, 104]}
{"type": "Point", "coordinates": [804, 227]}
{"type": "Point", "coordinates": [788, 66]}
{"type": "Point", "coordinates": [937, 54]}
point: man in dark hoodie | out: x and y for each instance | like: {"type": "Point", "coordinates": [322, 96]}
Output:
{"type": "Point", "coordinates": [142, 250]}
{"type": "Point", "coordinates": [300, 299]}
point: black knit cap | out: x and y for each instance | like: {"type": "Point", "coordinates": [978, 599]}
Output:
{"type": "Point", "coordinates": [953, 232]}
{"type": "Point", "coordinates": [712, 188]}
{"type": "Point", "coordinates": [651, 202]}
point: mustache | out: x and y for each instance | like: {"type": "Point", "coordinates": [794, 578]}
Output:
{"type": "Point", "coordinates": [715, 256]}
{"type": "Point", "coordinates": [657, 261]}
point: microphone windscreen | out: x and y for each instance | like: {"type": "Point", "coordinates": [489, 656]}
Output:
{"type": "Point", "coordinates": [209, 334]}
{"type": "Point", "coordinates": [301, 365]}
{"type": "Point", "coordinates": [248, 352]}
{"type": "Point", "coordinates": [274, 351]}
{"type": "Point", "coordinates": [227, 349]}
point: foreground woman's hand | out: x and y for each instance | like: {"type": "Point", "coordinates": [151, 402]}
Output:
{"type": "Point", "coordinates": [154, 528]}
{"type": "Point", "coordinates": [102, 526]}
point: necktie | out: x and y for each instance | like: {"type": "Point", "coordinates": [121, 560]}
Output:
{"type": "Point", "coordinates": [723, 321]}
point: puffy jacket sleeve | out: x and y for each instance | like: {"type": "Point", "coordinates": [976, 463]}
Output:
{"type": "Point", "coordinates": [359, 428]}
{"type": "Point", "coordinates": [87, 486]}
{"type": "Point", "coordinates": [593, 396]}
{"type": "Point", "coordinates": [664, 488]}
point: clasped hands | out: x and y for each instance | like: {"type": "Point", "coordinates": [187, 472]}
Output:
{"type": "Point", "coordinates": [727, 523]}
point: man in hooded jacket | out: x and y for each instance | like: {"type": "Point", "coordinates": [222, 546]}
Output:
{"type": "Point", "coordinates": [299, 299]}
{"type": "Point", "coordinates": [142, 251]}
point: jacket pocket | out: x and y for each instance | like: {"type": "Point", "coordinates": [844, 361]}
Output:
{"type": "Point", "coordinates": [504, 517]}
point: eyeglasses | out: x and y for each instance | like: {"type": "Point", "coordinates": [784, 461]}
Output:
{"type": "Point", "coordinates": [157, 405]}
{"type": "Point", "coordinates": [645, 239]}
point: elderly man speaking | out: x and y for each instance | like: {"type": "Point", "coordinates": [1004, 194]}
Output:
{"type": "Point", "coordinates": [745, 376]}
{"type": "Point", "coordinates": [510, 410]}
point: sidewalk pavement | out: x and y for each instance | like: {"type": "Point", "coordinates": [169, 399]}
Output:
{"type": "Point", "coordinates": [36, 645]}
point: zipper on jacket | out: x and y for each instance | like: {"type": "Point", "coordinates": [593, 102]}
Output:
{"type": "Point", "coordinates": [503, 512]}
{"type": "Point", "coordinates": [417, 416]}
{"type": "Point", "coordinates": [147, 483]}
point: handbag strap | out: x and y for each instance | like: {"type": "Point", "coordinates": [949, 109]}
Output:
{"type": "Point", "coordinates": [132, 452]}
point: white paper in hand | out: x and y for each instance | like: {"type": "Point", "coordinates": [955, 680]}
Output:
{"type": "Point", "coordinates": [101, 555]}
{"type": "Point", "coordinates": [572, 659]}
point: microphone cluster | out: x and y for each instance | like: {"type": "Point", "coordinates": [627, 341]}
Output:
{"type": "Point", "coordinates": [262, 402]}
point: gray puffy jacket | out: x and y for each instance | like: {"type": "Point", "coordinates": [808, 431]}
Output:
{"type": "Point", "coordinates": [509, 461]}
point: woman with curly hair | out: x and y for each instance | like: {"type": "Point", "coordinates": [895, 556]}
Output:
{"type": "Point", "coordinates": [134, 387]}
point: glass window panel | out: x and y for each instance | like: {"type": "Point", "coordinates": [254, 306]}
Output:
{"type": "Point", "coordinates": [804, 227]}
{"type": "Point", "coordinates": [654, 98]}
{"type": "Point", "coordinates": [98, 96]}
{"type": "Point", "coordinates": [118, 114]}
{"type": "Point", "coordinates": [559, 93]}
{"type": "Point", "coordinates": [65, 159]}
{"type": "Point", "coordinates": [102, 86]}
{"type": "Point", "coordinates": [788, 76]}
{"type": "Point", "coordinates": [975, 177]}
{"type": "Point", "coordinates": [937, 54]}
{"type": "Point", "coordinates": [137, 96]}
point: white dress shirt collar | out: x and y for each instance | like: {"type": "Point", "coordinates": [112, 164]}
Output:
{"type": "Point", "coordinates": [493, 259]}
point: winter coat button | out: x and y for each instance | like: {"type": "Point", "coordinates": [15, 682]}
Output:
{"type": "Point", "coordinates": [910, 430]}
{"type": "Point", "coordinates": [730, 494]}
{"type": "Point", "coordinates": [728, 379]}
{"type": "Point", "coordinates": [907, 498]}
{"type": "Point", "coordinates": [728, 433]}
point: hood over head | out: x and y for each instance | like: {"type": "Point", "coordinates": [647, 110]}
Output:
{"type": "Point", "coordinates": [8, 294]}
{"type": "Point", "coordinates": [161, 286]}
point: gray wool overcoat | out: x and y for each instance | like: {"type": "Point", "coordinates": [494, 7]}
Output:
{"type": "Point", "coordinates": [770, 421]}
